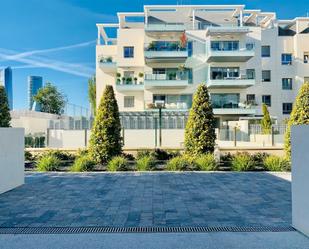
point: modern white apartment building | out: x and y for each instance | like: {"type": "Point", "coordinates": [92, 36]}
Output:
{"type": "Point", "coordinates": [246, 58]}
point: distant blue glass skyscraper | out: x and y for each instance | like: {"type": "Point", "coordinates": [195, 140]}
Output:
{"type": "Point", "coordinates": [34, 84]}
{"type": "Point", "coordinates": [6, 80]}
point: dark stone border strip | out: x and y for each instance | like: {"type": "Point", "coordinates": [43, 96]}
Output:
{"type": "Point", "coordinates": [77, 230]}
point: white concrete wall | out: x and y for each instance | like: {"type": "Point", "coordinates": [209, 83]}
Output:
{"type": "Point", "coordinates": [11, 158]}
{"type": "Point", "coordinates": [69, 139]}
{"type": "Point", "coordinates": [300, 178]}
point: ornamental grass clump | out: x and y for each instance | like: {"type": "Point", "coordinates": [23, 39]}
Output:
{"type": "Point", "coordinates": [145, 163]}
{"type": "Point", "coordinates": [181, 163]}
{"type": "Point", "coordinates": [83, 164]}
{"type": "Point", "coordinates": [276, 163]}
{"type": "Point", "coordinates": [206, 162]}
{"type": "Point", "coordinates": [242, 162]}
{"type": "Point", "coordinates": [48, 162]}
{"type": "Point", "coordinates": [118, 163]}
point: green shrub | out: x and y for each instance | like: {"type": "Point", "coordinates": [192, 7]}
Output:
{"type": "Point", "coordinates": [206, 162]}
{"type": "Point", "coordinates": [276, 163]}
{"type": "Point", "coordinates": [181, 163]}
{"type": "Point", "coordinates": [48, 163]}
{"type": "Point", "coordinates": [298, 116]}
{"type": "Point", "coordinates": [242, 162]}
{"type": "Point", "coordinates": [28, 156]}
{"type": "Point", "coordinates": [226, 159]}
{"type": "Point", "coordinates": [128, 156]}
{"type": "Point", "coordinates": [200, 133]}
{"type": "Point", "coordinates": [142, 153]}
{"type": "Point", "coordinates": [82, 152]}
{"type": "Point", "coordinates": [5, 117]}
{"type": "Point", "coordinates": [105, 140]}
{"type": "Point", "coordinates": [259, 158]}
{"type": "Point", "coordinates": [61, 155]}
{"type": "Point", "coordinates": [145, 163]}
{"type": "Point", "coordinates": [82, 164]}
{"type": "Point", "coordinates": [118, 163]}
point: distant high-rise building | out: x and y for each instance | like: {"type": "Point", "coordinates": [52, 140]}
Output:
{"type": "Point", "coordinates": [6, 80]}
{"type": "Point", "coordinates": [34, 84]}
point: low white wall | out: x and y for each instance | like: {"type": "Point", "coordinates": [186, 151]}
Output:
{"type": "Point", "coordinates": [266, 139]}
{"type": "Point", "coordinates": [69, 139]}
{"type": "Point", "coordinates": [11, 158]}
{"type": "Point", "coordinates": [300, 178]}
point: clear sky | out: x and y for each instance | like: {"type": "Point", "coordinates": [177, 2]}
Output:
{"type": "Point", "coordinates": [56, 38]}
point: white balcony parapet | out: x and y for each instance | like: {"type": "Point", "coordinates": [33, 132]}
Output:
{"type": "Point", "coordinates": [165, 27]}
{"type": "Point", "coordinates": [163, 80]}
{"type": "Point", "coordinates": [231, 82]}
{"type": "Point", "coordinates": [212, 30]}
{"type": "Point", "coordinates": [129, 87]}
{"type": "Point", "coordinates": [240, 55]}
{"type": "Point", "coordinates": [234, 111]}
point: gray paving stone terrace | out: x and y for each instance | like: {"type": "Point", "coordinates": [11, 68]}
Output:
{"type": "Point", "coordinates": [148, 199]}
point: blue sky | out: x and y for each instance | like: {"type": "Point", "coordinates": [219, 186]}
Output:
{"type": "Point", "coordinates": [56, 38]}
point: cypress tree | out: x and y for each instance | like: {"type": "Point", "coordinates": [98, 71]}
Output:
{"type": "Point", "coordinates": [299, 116]}
{"type": "Point", "coordinates": [105, 140]}
{"type": "Point", "coordinates": [200, 129]}
{"type": "Point", "coordinates": [266, 120]}
{"type": "Point", "coordinates": [5, 117]}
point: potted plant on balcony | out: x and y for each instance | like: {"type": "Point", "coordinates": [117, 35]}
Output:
{"type": "Point", "coordinates": [151, 46]}
{"type": "Point", "coordinates": [141, 75]}
{"type": "Point", "coordinates": [129, 80]}
{"type": "Point", "coordinates": [109, 59]}
{"type": "Point", "coordinates": [135, 80]}
{"type": "Point", "coordinates": [151, 106]}
{"type": "Point", "coordinates": [183, 41]}
{"type": "Point", "coordinates": [123, 80]}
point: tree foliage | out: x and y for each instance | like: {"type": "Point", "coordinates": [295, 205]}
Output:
{"type": "Point", "coordinates": [106, 141]}
{"type": "Point", "coordinates": [299, 115]}
{"type": "Point", "coordinates": [92, 94]}
{"type": "Point", "coordinates": [266, 120]}
{"type": "Point", "coordinates": [50, 99]}
{"type": "Point", "coordinates": [200, 129]}
{"type": "Point", "coordinates": [5, 117]}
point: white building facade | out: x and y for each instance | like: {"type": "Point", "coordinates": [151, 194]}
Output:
{"type": "Point", "coordinates": [245, 57]}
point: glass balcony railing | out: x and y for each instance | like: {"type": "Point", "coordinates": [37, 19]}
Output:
{"type": "Point", "coordinates": [163, 27]}
{"type": "Point", "coordinates": [164, 46]}
{"type": "Point", "coordinates": [170, 76]}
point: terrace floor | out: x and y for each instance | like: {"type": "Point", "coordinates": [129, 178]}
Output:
{"type": "Point", "coordinates": [147, 200]}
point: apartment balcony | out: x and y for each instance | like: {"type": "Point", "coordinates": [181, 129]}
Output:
{"type": "Point", "coordinates": [235, 111]}
{"type": "Point", "coordinates": [129, 87]}
{"type": "Point", "coordinates": [166, 81]}
{"type": "Point", "coordinates": [231, 82]}
{"type": "Point", "coordinates": [165, 27]}
{"type": "Point", "coordinates": [239, 55]}
{"type": "Point", "coordinates": [226, 30]}
{"type": "Point", "coordinates": [166, 52]}
{"type": "Point", "coordinates": [108, 65]}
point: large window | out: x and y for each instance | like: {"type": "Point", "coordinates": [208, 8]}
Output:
{"type": "Point", "coordinates": [128, 52]}
{"type": "Point", "coordinates": [128, 101]}
{"type": "Point", "coordinates": [222, 73]}
{"type": "Point", "coordinates": [287, 108]}
{"type": "Point", "coordinates": [286, 59]}
{"type": "Point", "coordinates": [225, 100]}
{"type": "Point", "coordinates": [224, 45]}
{"type": "Point", "coordinates": [250, 98]}
{"type": "Point", "coordinates": [266, 75]}
{"type": "Point", "coordinates": [287, 83]}
{"type": "Point", "coordinates": [250, 73]}
{"type": "Point", "coordinates": [173, 101]}
{"type": "Point", "coordinates": [265, 51]}
{"type": "Point", "coordinates": [266, 99]}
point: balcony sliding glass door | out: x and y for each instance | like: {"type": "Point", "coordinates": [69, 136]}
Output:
{"type": "Point", "coordinates": [225, 100]}
{"type": "Point", "coordinates": [223, 73]}
{"type": "Point", "coordinates": [224, 45]}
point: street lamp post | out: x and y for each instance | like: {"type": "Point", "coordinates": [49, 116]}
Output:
{"type": "Point", "coordinates": [160, 105]}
